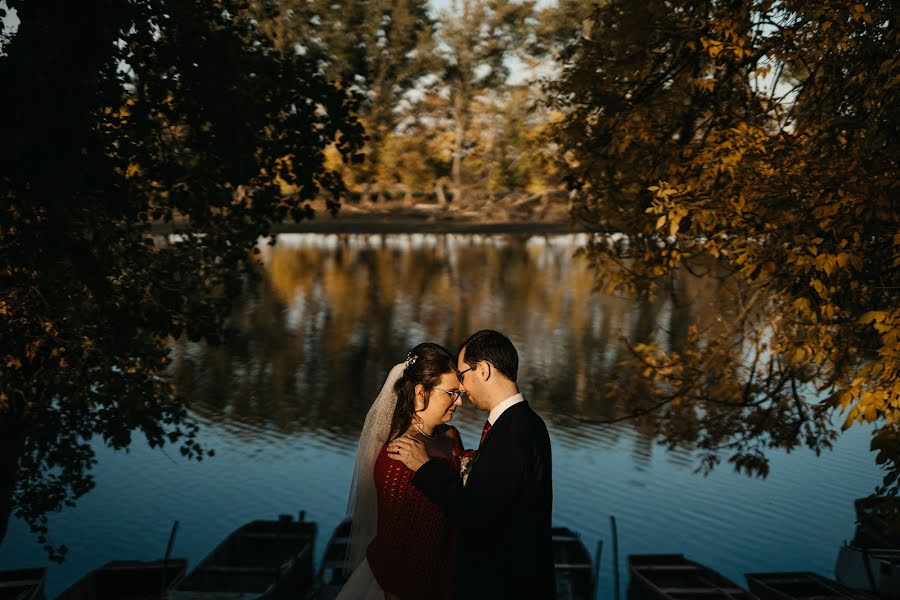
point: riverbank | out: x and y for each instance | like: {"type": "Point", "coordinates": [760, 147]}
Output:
{"type": "Point", "coordinates": [341, 224]}
{"type": "Point", "coordinates": [423, 218]}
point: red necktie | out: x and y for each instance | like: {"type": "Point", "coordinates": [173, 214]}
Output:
{"type": "Point", "coordinates": [484, 431]}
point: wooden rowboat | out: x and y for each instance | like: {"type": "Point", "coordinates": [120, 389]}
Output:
{"type": "Point", "coordinates": [575, 575]}
{"type": "Point", "coordinates": [674, 577]}
{"type": "Point", "coordinates": [22, 584]}
{"type": "Point", "coordinates": [331, 577]}
{"type": "Point", "coordinates": [800, 586]}
{"type": "Point", "coordinates": [871, 560]}
{"type": "Point", "coordinates": [262, 560]}
{"type": "Point", "coordinates": [876, 570]}
{"type": "Point", "coordinates": [127, 580]}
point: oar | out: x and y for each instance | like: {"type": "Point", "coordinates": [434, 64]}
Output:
{"type": "Point", "coordinates": [615, 551]}
{"type": "Point", "coordinates": [165, 565]}
{"type": "Point", "coordinates": [595, 575]}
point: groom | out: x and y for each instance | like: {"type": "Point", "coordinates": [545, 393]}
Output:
{"type": "Point", "coordinates": [504, 548]}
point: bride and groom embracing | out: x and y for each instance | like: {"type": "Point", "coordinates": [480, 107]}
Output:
{"type": "Point", "coordinates": [432, 520]}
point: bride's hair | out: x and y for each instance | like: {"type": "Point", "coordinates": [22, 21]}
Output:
{"type": "Point", "coordinates": [425, 365]}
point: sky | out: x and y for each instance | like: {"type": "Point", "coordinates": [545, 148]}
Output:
{"type": "Point", "coordinates": [441, 4]}
{"type": "Point", "coordinates": [10, 22]}
{"type": "Point", "coordinates": [437, 5]}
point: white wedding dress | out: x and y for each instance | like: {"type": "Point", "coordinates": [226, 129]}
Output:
{"type": "Point", "coordinates": [362, 506]}
{"type": "Point", "coordinates": [362, 585]}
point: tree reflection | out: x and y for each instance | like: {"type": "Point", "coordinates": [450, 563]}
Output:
{"type": "Point", "coordinates": [334, 313]}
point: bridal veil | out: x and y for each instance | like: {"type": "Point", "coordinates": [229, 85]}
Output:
{"type": "Point", "coordinates": [362, 506]}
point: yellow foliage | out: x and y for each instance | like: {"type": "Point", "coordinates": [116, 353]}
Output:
{"type": "Point", "coordinates": [797, 204]}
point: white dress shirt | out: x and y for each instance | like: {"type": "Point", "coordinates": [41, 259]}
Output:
{"type": "Point", "coordinates": [501, 408]}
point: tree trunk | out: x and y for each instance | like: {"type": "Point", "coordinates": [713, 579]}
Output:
{"type": "Point", "coordinates": [12, 443]}
{"type": "Point", "coordinates": [459, 143]}
{"type": "Point", "coordinates": [456, 172]}
{"type": "Point", "coordinates": [439, 193]}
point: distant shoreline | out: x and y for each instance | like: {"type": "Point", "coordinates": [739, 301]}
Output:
{"type": "Point", "coordinates": [355, 224]}
{"type": "Point", "coordinates": [406, 225]}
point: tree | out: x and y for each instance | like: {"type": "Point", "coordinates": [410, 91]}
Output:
{"type": "Point", "coordinates": [756, 138]}
{"type": "Point", "coordinates": [381, 48]}
{"type": "Point", "coordinates": [559, 25]}
{"type": "Point", "coordinates": [116, 116]}
{"type": "Point", "coordinates": [477, 39]}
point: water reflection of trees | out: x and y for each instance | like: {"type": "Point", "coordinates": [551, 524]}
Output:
{"type": "Point", "coordinates": [335, 312]}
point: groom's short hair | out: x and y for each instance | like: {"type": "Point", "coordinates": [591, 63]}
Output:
{"type": "Point", "coordinates": [493, 347]}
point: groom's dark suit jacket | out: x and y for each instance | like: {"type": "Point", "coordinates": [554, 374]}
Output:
{"type": "Point", "coordinates": [504, 547]}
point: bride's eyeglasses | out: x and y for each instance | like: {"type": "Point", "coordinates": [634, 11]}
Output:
{"type": "Point", "coordinates": [454, 394]}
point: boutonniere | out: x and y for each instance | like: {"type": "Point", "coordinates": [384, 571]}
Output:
{"type": "Point", "coordinates": [466, 460]}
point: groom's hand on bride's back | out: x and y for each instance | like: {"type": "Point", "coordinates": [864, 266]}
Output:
{"type": "Point", "coordinates": [408, 451]}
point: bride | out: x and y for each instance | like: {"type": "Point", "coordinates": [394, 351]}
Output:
{"type": "Point", "coordinates": [401, 545]}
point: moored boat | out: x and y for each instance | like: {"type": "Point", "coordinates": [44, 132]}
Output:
{"type": "Point", "coordinates": [262, 560]}
{"type": "Point", "coordinates": [22, 584]}
{"type": "Point", "coordinates": [800, 585]}
{"type": "Point", "coordinates": [575, 575]}
{"type": "Point", "coordinates": [331, 577]}
{"type": "Point", "coordinates": [127, 580]}
{"type": "Point", "coordinates": [674, 577]}
{"type": "Point", "coordinates": [871, 560]}
{"type": "Point", "coordinates": [875, 570]}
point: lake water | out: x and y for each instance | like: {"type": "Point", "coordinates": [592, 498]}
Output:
{"type": "Point", "coordinates": [283, 404]}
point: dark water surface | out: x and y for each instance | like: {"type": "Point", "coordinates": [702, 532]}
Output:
{"type": "Point", "coordinates": [283, 404]}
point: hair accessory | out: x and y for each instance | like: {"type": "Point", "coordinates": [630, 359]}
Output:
{"type": "Point", "coordinates": [410, 359]}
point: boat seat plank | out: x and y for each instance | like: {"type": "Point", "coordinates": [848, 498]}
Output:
{"type": "Point", "coordinates": [666, 567]}
{"type": "Point", "coordinates": [262, 535]}
{"type": "Point", "coordinates": [703, 590]}
{"type": "Point", "coordinates": [238, 570]}
{"type": "Point", "coordinates": [340, 540]}
{"type": "Point", "coordinates": [14, 583]}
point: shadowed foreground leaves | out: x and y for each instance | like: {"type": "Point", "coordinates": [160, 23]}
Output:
{"type": "Point", "coordinates": [116, 115]}
{"type": "Point", "coordinates": [761, 137]}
